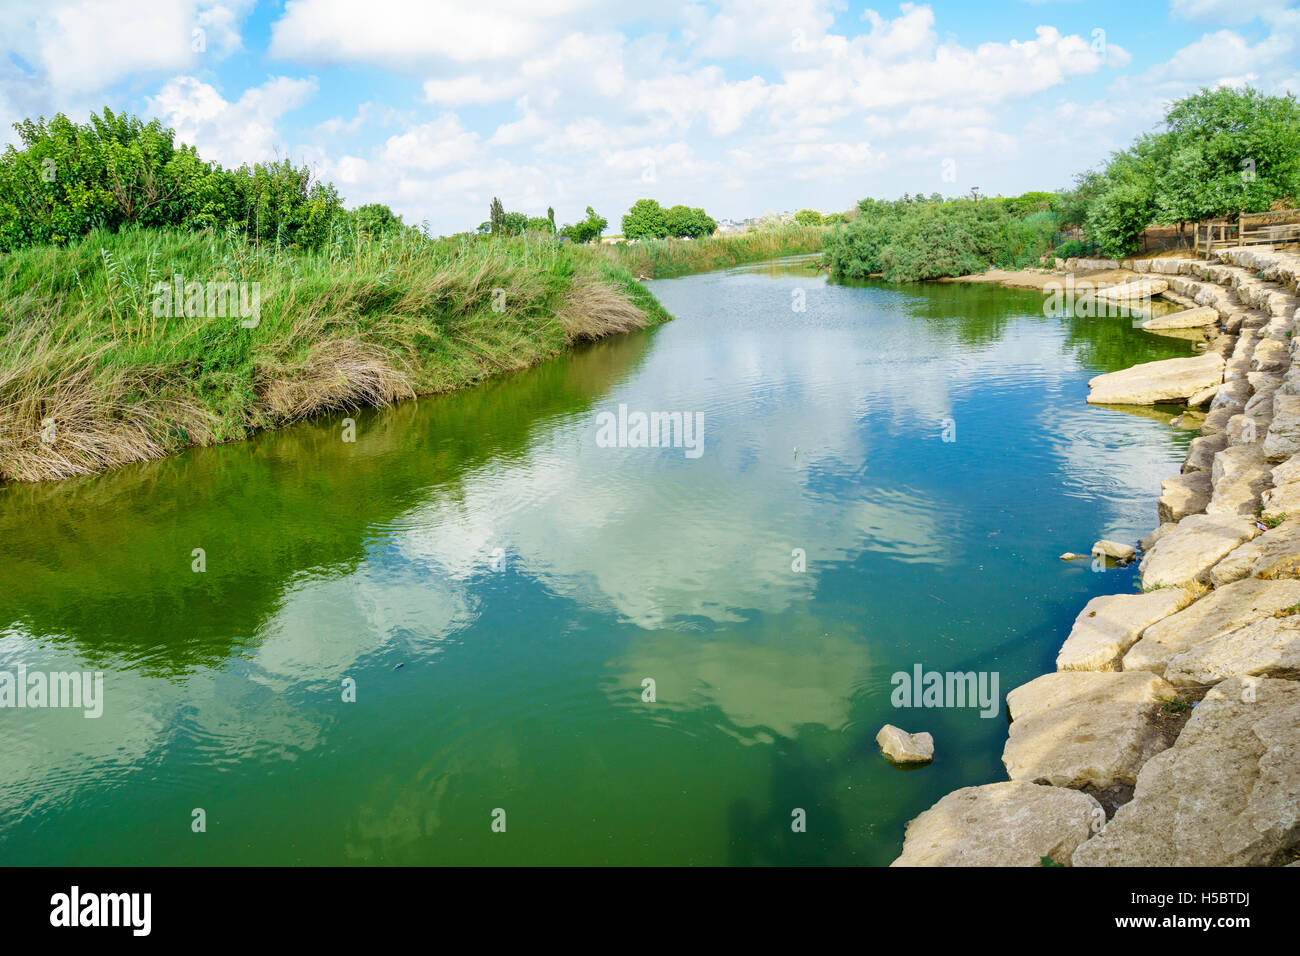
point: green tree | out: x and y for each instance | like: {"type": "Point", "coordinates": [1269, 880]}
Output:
{"type": "Point", "coordinates": [809, 217]}
{"type": "Point", "coordinates": [496, 216]}
{"type": "Point", "coordinates": [586, 230]}
{"type": "Point", "coordinates": [645, 220]}
{"type": "Point", "coordinates": [375, 219]}
{"type": "Point", "coordinates": [686, 222]}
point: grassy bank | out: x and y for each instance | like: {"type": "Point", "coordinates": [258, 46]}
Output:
{"type": "Point", "coordinates": [661, 258]}
{"type": "Point", "coordinates": [93, 376]}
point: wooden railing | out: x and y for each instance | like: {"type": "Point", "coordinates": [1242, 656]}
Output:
{"type": "Point", "coordinates": [1249, 229]}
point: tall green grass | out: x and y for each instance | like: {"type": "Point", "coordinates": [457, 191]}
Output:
{"type": "Point", "coordinates": [661, 258]}
{"type": "Point", "coordinates": [91, 377]}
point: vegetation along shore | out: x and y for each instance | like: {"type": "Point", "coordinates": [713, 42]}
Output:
{"type": "Point", "coordinates": [1167, 734]}
{"type": "Point", "coordinates": [153, 301]}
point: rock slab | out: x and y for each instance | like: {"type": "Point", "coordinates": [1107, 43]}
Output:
{"type": "Point", "coordinates": [1226, 794]}
{"type": "Point", "coordinates": [1075, 728]}
{"type": "Point", "coordinates": [1001, 824]}
{"type": "Point", "coordinates": [901, 747]}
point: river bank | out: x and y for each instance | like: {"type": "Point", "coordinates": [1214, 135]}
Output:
{"type": "Point", "coordinates": [131, 346]}
{"type": "Point", "coordinates": [1167, 734]}
{"type": "Point", "coordinates": [499, 586]}
{"type": "Point", "coordinates": [97, 369]}
{"type": "Point", "coordinates": [666, 258]}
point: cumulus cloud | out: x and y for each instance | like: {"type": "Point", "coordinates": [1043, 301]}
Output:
{"type": "Point", "coordinates": [231, 133]}
{"type": "Point", "coordinates": [409, 32]}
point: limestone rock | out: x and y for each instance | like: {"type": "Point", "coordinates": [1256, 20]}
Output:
{"type": "Point", "coordinates": [1270, 355]}
{"type": "Point", "coordinates": [1273, 554]}
{"type": "Point", "coordinates": [1134, 290]}
{"type": "Point", "coordinates": [1168, 380]}
{"type": "Point", "coordinates": [1109, 625]}
{"type": "Point", "coordinates": [1222, 610]}
{"type": "Point", "coordinates": [1149, 542]}
{"type": "Point", "coordinates": [1000, 824]}
{"type": "Point", "coordinates": [1240, 474]}
{"type": "Point", "coordinates": [1269, 647]}
{"type": "Point", "coordinates": [1286, 472]}
{"type": "Point", "coordinates": [1217, 420]}
{"type": "Point", "coordinates": [1183, 495]}
{"type": "Point", "coordinates": [1188, 552]}
{"type": "Point", "coordinates": [1201, 452]}
{"type": "Point", "coordinates": [901, 747]}
{"type": "Point", "coordinates": [1187, 319]}
{"type": "Point", "coordinates": [1283, 438]}
{"type": "Point", "coordinates": [1224, 795]}
{"type": "Point", "coordinates": [1074, 728]}
{"type": "Point", "coordinates": [1121, 553]}
{"type": "Point", "coordinates": [1279, 503]}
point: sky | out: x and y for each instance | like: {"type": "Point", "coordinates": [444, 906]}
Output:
{"type": "Point", "coordinates": [739, 106]}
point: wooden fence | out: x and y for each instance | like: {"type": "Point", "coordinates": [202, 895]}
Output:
{"type": "Point", "coordinates": [1249, 229]}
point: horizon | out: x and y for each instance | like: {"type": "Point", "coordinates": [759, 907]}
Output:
{"type": "Point", "coordinates": [741, 109]}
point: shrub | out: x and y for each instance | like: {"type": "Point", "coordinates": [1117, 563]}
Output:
{"type": "Point", "coordinates": [645, 220]}
{"type": "Point", "coordinates": [116, 170]}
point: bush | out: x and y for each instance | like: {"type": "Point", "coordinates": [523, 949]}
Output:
{"type": "Point", "coordinates": [116, 170]}
{"type": "Point", "coordinates": [1074, 249]}
{"type": "Point", "coordinates": [645, 220]}
{"type": "Point", "coordinates": [925, 237]}
{"type": "Point", "coordinates": [586, 230]}
{"type": "Point", "coordinates": [1119, 216]}
{"type": "Point", "coordinates": [683, 222]}
{"type": "Point", "coordinates": [374, 220]}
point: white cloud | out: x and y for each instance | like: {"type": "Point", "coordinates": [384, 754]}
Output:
{"type": "Point", "coordinates": [442, 142]}
{"type": "Point", "coordinates": [1225, 11]}
{"type": "Point", "coordinates": [409, 32]}
{"type": "Point", "coordinates": [231, 133]}
{"type": "Point", "coordinates": [87, 45]}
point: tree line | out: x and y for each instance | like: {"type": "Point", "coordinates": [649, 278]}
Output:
{"type": "Point", "coordinates": [1221, 152]}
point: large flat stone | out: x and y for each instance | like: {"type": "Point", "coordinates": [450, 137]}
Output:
{"type": "Point", "coordinates": [1226, 794]}
{"type": "Point", "coordinates": [1001, 824]}
{"type": "Point", "coordinates": [1134, 290]}
{"type": "Point", "coordinates": [1187, 553]}
{"type": "Point", "coordinates": [1169, 380]}
{"type": "Point", "coordinates": [1240, 475]}
{"type": "Point", "coordinates": [1283, 438]}
{"type": "Point", "coordinates": [1223, 609]}
{"type": "Point", "coordinates": [1196, 318]}
{"type": "Point", "coordinates": [1201, 452]}
{"type": "Point", "coordinates": [1269, 647]}
{"type": "Point", "coordinates": [1109, 625]}
{"type": "Point", "coordinates": [1074, 728]}
{"type": "Point", "coordinates": [1273, 554]}
{"type": "Point", "coordinates": [1183, 495]}
{"type": "Point", "coordinates": [1280, 503]}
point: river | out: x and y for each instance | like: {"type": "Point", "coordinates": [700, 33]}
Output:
{"type": "Point", "coordinates": [884, 480]}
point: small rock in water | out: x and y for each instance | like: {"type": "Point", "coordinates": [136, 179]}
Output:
{"type": "Point", "coordinates": [1122, 553]}
{"type": "Point", "coordinates": [902, 747]}
{"type": "Point", "coordinates": [1071, 556]}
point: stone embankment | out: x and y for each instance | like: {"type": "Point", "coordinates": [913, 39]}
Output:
{"type": "Point", "coordinates": [1106, 766]}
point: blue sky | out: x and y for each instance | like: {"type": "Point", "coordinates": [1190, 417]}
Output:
{"type": "Point", "coordinates": [740, 107]}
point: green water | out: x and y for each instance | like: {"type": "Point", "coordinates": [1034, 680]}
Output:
{"type": "Point", "coordinates": [498, 586]}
